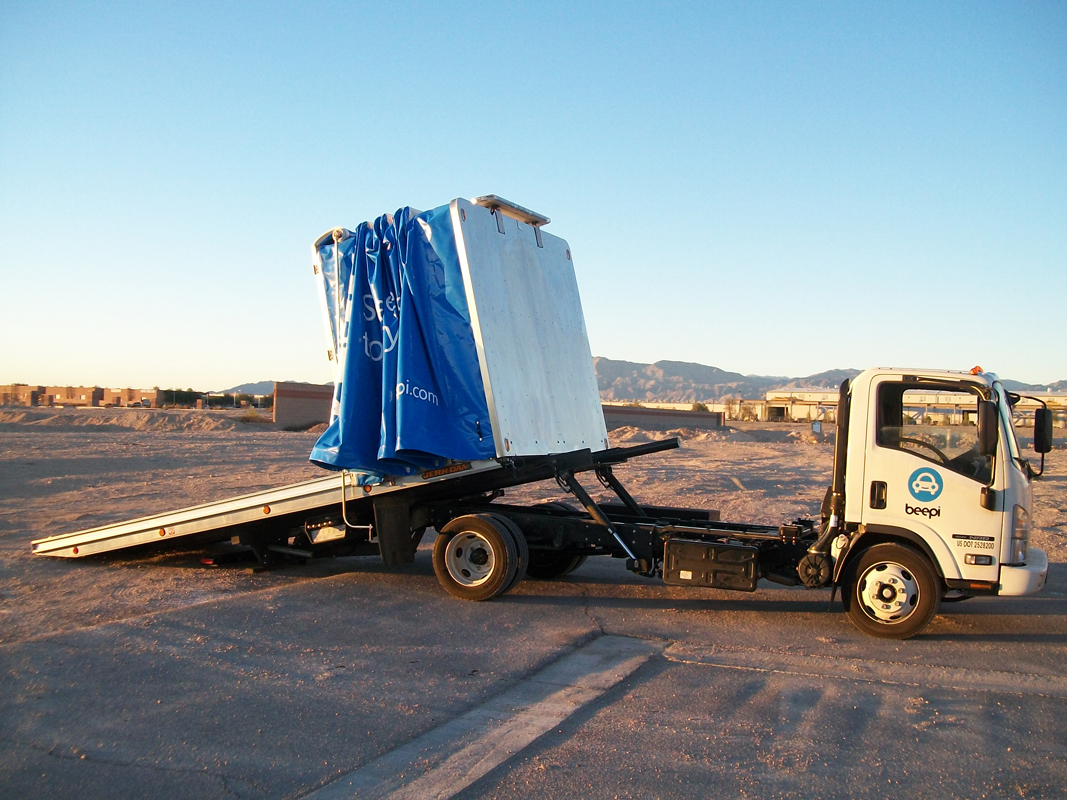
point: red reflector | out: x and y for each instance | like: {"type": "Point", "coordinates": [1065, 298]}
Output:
{"type": "Point", "coordinates": [75, 551]}
{"type": "Point", "coordinates": [266, 509]}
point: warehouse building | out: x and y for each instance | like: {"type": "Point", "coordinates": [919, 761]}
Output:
{"type": "Point", "coordinates": [21, 394]}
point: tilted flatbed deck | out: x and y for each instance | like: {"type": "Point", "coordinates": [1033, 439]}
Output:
{"type": "Point", "coordinates": [306, 497]}
{"type": "Point", "coordinates": [335, 493]}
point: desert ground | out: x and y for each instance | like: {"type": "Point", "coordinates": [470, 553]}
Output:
{"type": "Point", "coordinates": [146, 672]}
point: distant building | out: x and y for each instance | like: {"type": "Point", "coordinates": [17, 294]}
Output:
{"type": "Point", "coordinates": [801, 406]}
{"type": "Point", "coordinates": [72, 396]}
{"type": "Point", "coordinates": [298, 406]}
{"type": "Point", "coordinates": [664, 417]}
{"type": "Point", "coordinates": [934, 407]}
{"type": "Point", "coordinates": [1055, 401]}
{"type": "Point", "coordinates": [728, 409]}
{"type": "Point", "coordinates": [20, 394]}
{"type": "Point", "coordinates": [810, 405]}
{"type": "Point", "coordinates": [144, 398]}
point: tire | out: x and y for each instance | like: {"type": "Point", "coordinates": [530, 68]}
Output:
{"type": "Point", "coordinates": [559, 505]}
{"type": "Point", "coordinates": [892, 591]}
{"type": "Point", "coordinates": [547, 565]}
{"type": "Point", "coordinates": [522, 550]}
{"type": "Point", "coordinates": [475, 557]}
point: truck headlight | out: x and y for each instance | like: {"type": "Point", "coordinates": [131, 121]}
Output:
{"type": "Point", "coordinates": [1020, 535]}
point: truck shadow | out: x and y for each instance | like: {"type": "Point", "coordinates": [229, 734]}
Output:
{"type": "Point", "coordinates": [993, 625]}
{"type": "Point", "coordinates": [645, 602]}
{"type": "Point", "coordinates": [996, 638]}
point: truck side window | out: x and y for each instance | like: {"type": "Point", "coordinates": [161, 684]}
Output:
{"type": "Point", "coordinates": [935, 423]}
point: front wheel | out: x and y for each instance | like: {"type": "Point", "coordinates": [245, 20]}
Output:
{"type": "Point", "coordinates": [891, 591]}
{"type": "Point", "coordinates": [475, 557]}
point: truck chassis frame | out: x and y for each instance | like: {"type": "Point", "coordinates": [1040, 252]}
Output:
{"type": "Point", "coordinates": [334, 517]}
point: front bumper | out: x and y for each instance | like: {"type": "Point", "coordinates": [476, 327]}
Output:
{"type": "Point", "coordinates": [1027, 579]}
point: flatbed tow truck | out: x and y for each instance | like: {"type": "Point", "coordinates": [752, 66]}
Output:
{"type": "Point", "coordinates": [917, 512]}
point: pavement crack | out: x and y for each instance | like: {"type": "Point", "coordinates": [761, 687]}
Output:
{"type": "Point", "coordinates": [870, 670]}
{"type": "Point", "coordinates": [587, 609]}
{"type": "Point", "coordinates": [83, 755]}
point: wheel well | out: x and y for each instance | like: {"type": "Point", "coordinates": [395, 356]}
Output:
{"type": "Point", "coordinates": [884, 534]}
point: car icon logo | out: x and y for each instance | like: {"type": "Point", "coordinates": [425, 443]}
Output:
{"type": "Point", "coordinates": [925, 484]}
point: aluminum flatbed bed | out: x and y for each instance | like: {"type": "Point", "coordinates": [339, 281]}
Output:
{"type": "Point", "coordinates": [220, 517]}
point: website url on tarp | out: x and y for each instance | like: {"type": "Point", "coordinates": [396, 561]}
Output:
{"type": "Point", "coordinates": [405, 388]}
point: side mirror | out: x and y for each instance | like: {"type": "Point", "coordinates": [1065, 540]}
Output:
{"type": "Point", "coordinates": [1043, 430]}
{"type": "Point", "coordinates": [988, 427]}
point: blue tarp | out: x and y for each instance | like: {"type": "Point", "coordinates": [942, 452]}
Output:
{"type": "Point", "coordinates": [410, 395]}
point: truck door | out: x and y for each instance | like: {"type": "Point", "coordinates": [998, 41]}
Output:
{"type": "Point", "coordinates": [923, 473]}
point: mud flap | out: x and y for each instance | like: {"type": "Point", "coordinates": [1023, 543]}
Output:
{"type": "Point", "coordinates": [392, 524]}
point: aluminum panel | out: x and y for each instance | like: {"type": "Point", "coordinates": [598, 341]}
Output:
{"type": "Point", "coordinates": [529, 329]}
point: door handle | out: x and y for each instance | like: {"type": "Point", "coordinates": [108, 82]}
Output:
{"type": "Point", "coordinates": [878, 494]}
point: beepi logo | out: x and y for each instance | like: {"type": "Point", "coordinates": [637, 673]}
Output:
{"type": "Point", "coordinates": [925, 484]}
{"type": "Point", "coordinates": [929, 513]}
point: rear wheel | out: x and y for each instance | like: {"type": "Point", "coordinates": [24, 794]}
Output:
{"type": "Point", "coordinates": [522, 549]}
{"type": "Point", "coordinates": [892, 591]}
{"type": "Point", "coordinates": [475, 557]}
{"type": "Point", "coordinates": [547, 565]}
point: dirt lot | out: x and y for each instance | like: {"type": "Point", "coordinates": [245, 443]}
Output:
{"type": "Point", "coordinates": [148, 673]}
{"type": "Point", "coordinates": [74, 469]}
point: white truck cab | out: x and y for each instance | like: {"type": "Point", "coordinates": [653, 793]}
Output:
{"type": "Point", "coordinates": [933, 498]}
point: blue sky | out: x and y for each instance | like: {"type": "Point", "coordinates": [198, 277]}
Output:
{"type": "Point", "coordinates": [771, 188]}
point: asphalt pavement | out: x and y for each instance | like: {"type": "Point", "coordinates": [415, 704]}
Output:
{"type": "Point", "coordinates": [359, 681]}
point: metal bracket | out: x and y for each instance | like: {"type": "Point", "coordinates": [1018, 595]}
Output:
{"type": "Point", "coordinates": [568, 479]}
{"type": "Point", "coordinates": [344, 497]}
{"type": "Point", "coordinates": [514, 210]}
{"type": "Point", "coordinates": [609, 481]}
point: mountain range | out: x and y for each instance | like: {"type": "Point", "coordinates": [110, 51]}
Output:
{"type": "Point", "coordinates": [683, 382]}
{"type": "Point", "coordinates": [260, 387]}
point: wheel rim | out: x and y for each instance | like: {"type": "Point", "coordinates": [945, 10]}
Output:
{"type": "Point", "coordinates": [888, 592]}
{"type": "Point", "coordinates": [469, 559]}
